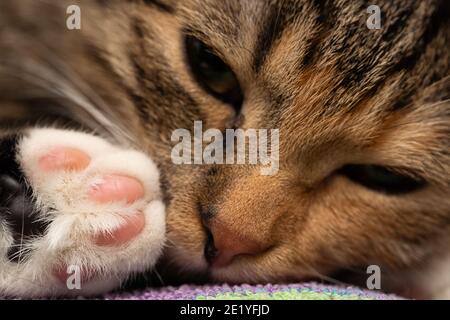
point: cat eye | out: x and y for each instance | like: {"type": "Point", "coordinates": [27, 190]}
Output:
{"type": "Point", "coordinates": [382, 179]}
{"type": "Point", "coordinates": [212, 73]}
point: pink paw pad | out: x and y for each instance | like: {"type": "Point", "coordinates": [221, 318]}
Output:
{"type": "Point", "coordinates": [115, 188]}
{"type": "Point", "coordinates": [129, 230]}
{"type": "Point", "coordinates": [118, 188]}
{"type": "Point", "coordinates": [107, 189]}
{"type": "Point", "coordinates": [64, 159]}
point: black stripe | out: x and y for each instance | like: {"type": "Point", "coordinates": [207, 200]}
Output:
{"type": "Point", "coordinates": [325, 21]}
{"type": "Point", "coordinates": [408, 62]}
{"type": "Point", "coordinates": [271, 31]}
{"type": "Point", "coordinates": [140, 103]}
{"type": "Point", "coordinates": [399, 23]}
{"type": "Point", "coordinates": [161, 5]}
{"type": "Point", "coordinates": [434, 23]}
{"type": "Point", "coordinates": [156, 85]}
{"type": "Point", "coordinates": [354, 75]}
{"type": "Point", "coordinates": [280, 16]}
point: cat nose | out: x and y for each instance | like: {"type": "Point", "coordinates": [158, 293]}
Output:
{"type": "Point", "coordinates": [222, 246]}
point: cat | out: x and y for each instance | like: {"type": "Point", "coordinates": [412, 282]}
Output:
{"type": "Point", "coordinates": [87, 182]}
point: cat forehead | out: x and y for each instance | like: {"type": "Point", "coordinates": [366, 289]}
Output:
{"type": "Point", "coordinates": [281, 39]}
{"type": "Point", "coordinates": [282, 42]}
{"type": "Point", "coordinates": [262, 22]}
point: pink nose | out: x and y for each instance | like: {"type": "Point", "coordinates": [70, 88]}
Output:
{"type": "Point", "coordinates": [226, 245]}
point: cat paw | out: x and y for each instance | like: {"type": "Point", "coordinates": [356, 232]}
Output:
{"type": "Point", "coordinates": [77, 215]}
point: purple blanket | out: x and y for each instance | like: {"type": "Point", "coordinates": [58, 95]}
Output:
{"type": "Point", "coordinates": [302, 291]}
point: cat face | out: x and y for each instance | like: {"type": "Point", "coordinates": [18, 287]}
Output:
{"type": "Point", "coordinates": [363, 116]}
{"type": "Point", "coordinates": [361, 135]}
{"type": "Point", "coordinates": [360, 138]}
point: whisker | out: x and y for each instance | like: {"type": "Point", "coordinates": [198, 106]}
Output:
{"type": "Point", "coordinates": [159, 276]}
{"type": "Point", "coordinates": [322, 276]}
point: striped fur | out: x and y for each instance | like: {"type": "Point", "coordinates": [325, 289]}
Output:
{"type": "Point", "coordinates": [339, 93]}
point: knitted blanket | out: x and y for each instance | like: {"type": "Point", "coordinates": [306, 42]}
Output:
{"type": "Point", "coordinates": [303, 291]}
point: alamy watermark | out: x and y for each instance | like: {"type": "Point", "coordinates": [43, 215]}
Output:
{"type": "Point", "coordinates": [374, 280]}
{"type": "Point", "coordinates": [236, 146]}
{"type": "Point", "coordinates": [73, 281]}
{"type": "Point", "coordinates": [374, 20]}
{"type": "Point", "coordinates": [73, 21]}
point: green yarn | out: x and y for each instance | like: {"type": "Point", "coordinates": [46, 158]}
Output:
{"type": "Point", "coordinates": [291, 294]}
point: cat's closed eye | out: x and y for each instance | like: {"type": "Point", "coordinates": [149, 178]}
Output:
{"type": "Point", "coordinates": [212, 73]}
{"type": "Point", "coordinates": [382, 179]}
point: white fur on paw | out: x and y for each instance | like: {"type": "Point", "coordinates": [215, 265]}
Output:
{"type": "Point", "coordinates": [74, 218]}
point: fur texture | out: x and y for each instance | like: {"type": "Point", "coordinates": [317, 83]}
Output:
{"type": "Point", "coordinates": [339, 93]}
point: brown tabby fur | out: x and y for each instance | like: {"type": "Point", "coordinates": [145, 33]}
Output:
{"type": "Point", "coordinates": [339, 93]}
